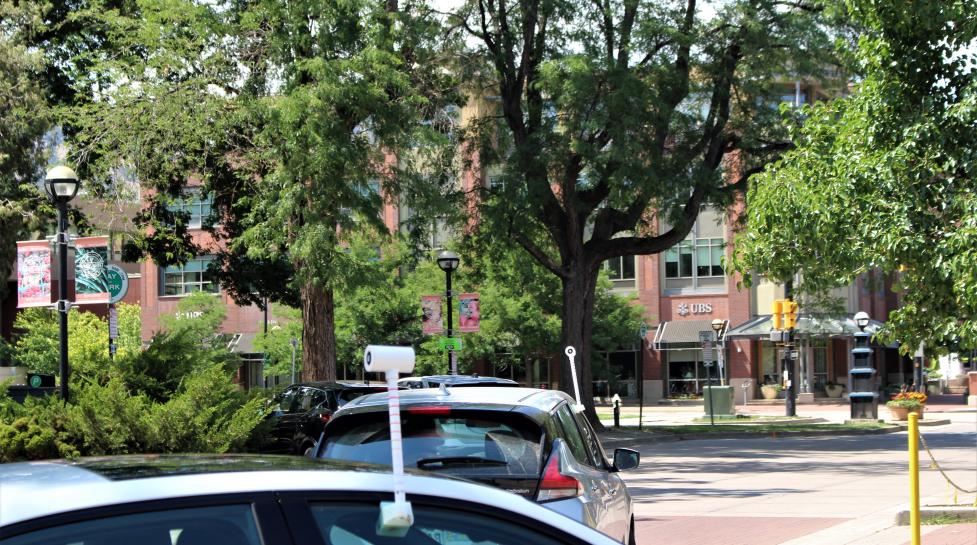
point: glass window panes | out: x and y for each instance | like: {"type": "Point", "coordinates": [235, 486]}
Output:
{"type": "Point", "coordinates": [355, 524]}
{"type": "Point", "coordinates": [192, 276]}
{"type": "Point", "coordinates": [620, 268]}
{"type": "Point", "coordinates": [572, 435]}
{"type": "Point", "coordinates": [460, 443]}
{"type": "Point", "coordinates": [197, 206]}
{"type": "Point", "coordinates": [696, 262]}
{"type": "Point", "coordinates": [211, 525]}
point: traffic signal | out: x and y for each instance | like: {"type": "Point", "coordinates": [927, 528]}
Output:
{"type": "Point", "coordinates": [790, 314]}
{"type": "Point", "coordinates": [777, 312]}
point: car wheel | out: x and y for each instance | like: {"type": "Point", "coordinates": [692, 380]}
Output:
{"type": "Point", "coordinates": [632, 539]}
{"type": "Point", "coordinates": [307, 451]}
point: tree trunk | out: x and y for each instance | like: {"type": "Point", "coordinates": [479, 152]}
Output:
{"type": "Point", "coordinates": [318, 333]}
{"type": "Point", "coordinates": [578, 321]}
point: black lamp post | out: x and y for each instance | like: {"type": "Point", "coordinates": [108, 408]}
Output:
{"type": "Point", "coordinates": [448, 261]}
{"type": "Point", "coordinates": [61, 184]}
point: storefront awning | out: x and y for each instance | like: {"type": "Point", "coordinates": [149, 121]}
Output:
{"type": "Point", "coordinates": [808, 325]}
{"type": "Point", "coordinates": [242, 343]}
{"type": "Point", "coordinates": [684, 334]}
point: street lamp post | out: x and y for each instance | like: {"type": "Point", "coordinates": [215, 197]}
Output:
{"type": "Point", "coordinates": [61, 184]}
{"type": "Point", "coordinates": [448, 261]}
{"type": "Point", "coordinates": [295, 343]}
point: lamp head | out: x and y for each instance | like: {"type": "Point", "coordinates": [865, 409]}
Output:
{"type": "Point", "coordinates": [861, 319]}
{"type": "Point", "coordinates": [448, 260]}
{"type": "Point", "coordinates": [717, 325]}
{"type": "Point", "coordinates": [61, 184]}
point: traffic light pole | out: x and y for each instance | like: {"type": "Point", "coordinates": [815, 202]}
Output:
{"type": "Point", "coordinates": [790, 363]}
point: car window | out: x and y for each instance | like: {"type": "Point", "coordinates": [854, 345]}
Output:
{"type": "Point", "coordinates": [591, 441]}
{"type": "Point", "coordinates": [212, 525]}
{"type": "Point", "coordinates": [572, 435]}
{"type": "Point", "coordinates": [460, 443]}
{"type": "Point", "coordinates": [355, 524]}
{"type": "Point", "coordinates": [288, 401]}
{"type": "Point", "coordinates": [318, 397]}
{"type": "Point", "coordinates": [345, 396]}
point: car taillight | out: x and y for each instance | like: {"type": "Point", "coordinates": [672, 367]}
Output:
{"type": "Point", "coordinates": [437, 410]}
{"type": "Point", "coordinates": [325, 417]}
{"type": "Point", "coordinates": [555, 485]}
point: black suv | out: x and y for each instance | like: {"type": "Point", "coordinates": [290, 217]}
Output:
{"type": "Point", "coordinates": [301, 411]}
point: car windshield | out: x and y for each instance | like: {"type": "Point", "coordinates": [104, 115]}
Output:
{"type": "Point", "coordinates": [345, 396]}
{"type": "Point", "coordinates": [460, 442]}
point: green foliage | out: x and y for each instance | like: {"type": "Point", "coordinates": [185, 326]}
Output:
{"type": "Point", "coordinates": [207, 414]}
{"type": "Point", "coordinates": [177, 395]}
{"type": "Point", "coordinates": [277, 344]}
{"type": "Point", "coordinates": [885, 179]}
{"type": "Point", "coordinates": [25, 116]}
{"type": "Point", "coordinates": [36, 344]}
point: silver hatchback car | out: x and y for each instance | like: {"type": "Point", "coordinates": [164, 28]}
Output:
{"type": "Point", "coordinates": [526, 441]}
{"type": "Point", "coordinates": [257, 500]}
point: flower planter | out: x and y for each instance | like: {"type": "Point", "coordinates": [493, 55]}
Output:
{"type": "Point", "coordinates": [834, 391]}
{"type": "Point", "coordinates": [769, 392]}
{"type": "Point", "coordinates": [901, 414]}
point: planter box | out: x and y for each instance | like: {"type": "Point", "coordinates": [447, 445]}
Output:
{"type": "Point", "coordinates": [769, 392]}
{"type": "Point", "coordinates": [901, 414]}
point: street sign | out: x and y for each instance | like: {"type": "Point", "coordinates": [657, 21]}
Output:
{"type": "Point", "coordinates": [643, 330]}
{"type": "Point", "coordinates": [454, 343]}
{"type": "Point", "coordinates": [705, 339]}
{"type": "Point", "coordinates": [113, 322]}
{"type": "Point", "coordinates": [118, 282]}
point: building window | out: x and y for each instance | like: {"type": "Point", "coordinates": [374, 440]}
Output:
{"type": "Point", "coordinates": [819, 353]}
{"type": "Point", "coordinates": [695, 264]}
{"type": "Point", "coordinates": [191, 277]}
{"type": "Point", "coordinates": [196, 206]}
{"type": "Point", "coordinates": [621, 271]}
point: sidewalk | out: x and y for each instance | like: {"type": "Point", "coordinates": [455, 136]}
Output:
{"type": "Point", "coordinates": [835, 411]}
{"type": "Point", "coordinates": [771, 490]}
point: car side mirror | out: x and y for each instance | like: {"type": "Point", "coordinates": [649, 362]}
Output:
{"type": "Point", "coordinates": [625, 459]}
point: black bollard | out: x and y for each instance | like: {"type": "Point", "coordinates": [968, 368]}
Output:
{"type": "Point", "coordinates": [617, 414]}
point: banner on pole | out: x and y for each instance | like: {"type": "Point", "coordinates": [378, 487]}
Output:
{"type": "Point", "coordinates": [91, 280]}
{"type": "Point", "coordinates": [33, 273]}
{"type": "Point", "coordinates": [431, 321]}
{"type": "Point", "coordinates": [469, 313]}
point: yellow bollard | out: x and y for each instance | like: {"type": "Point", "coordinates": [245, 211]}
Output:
{"type": "Point", "coordinates": [914, 477]}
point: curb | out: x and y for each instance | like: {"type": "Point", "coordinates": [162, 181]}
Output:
{"type": "Point", "coordinates": [652, 438]}
{"type": "Point", "coordinates": [953, 513]}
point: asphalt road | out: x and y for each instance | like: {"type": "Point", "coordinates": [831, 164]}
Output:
{"type": "Point", "coordinates": [799, 490]}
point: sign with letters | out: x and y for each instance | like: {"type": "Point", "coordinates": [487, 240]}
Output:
{"type": "Point", "coordinates": [685, 309]}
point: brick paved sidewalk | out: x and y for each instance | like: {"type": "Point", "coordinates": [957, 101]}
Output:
{"type": "Point", "coordinates": [727, 530]}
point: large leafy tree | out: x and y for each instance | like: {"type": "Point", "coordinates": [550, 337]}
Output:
{"type": "Point", "coordinates": [24, 117]}
{"type": "Point", "coordinates": [614, 114]}
{"type": "Point", "coordinates": [884, 178]}
{"type": "Point", "coordinates": [288, 115]}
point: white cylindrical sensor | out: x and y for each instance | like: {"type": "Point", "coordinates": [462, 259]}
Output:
{"type": "Point", "coordinates": [379, 359]}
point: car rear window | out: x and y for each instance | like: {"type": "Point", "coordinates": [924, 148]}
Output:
{"type": "Point", "coordinates": [345, 396]}
{"type": "Point", "coordinates": [460, 442]}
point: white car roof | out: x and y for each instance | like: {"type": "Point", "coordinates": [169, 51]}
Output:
{"type": "Point", "coordinates": [31, 490]}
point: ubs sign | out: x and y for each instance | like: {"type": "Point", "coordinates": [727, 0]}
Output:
{"type": "Point", "coordinates": [684, 309]}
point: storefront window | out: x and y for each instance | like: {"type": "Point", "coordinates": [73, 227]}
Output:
{"type": "Point", "coordinates": [819, 353]}
{"type": "Point", "coordinates": [686, 373]}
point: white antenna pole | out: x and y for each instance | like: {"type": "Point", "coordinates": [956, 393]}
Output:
{"type": "Point", "coordinates": [396, 437]}
{"type": "Point", "coordinates": [571, 352]}
{"type": "Point", "coordinates": [396, 517]}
